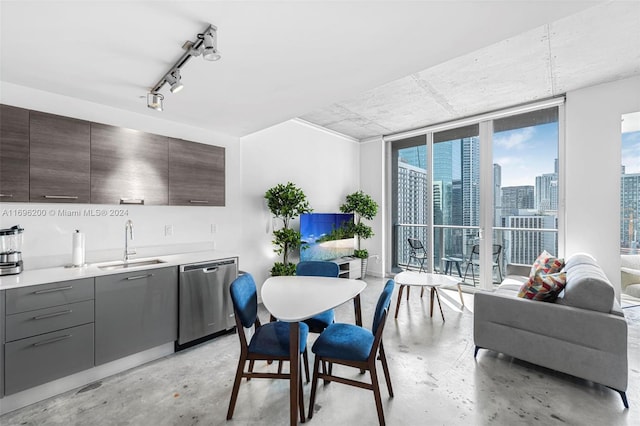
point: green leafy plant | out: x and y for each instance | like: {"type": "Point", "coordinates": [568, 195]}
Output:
{"type": "Point", "coordinates": [363, 207]}
{"type": "Point", "coordinates": [286, 202]}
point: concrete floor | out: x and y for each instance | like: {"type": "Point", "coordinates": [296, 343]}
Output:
{"type": "Point", "coordinates": [435, 378]}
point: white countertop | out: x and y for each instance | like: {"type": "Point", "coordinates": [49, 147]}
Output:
{"type": "Point", "coordinates": [61, 273]}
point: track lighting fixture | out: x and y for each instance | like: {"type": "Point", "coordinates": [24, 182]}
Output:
{"type": "Point", "coordinates": [154, 101]}
{"type": "Point", "coordinates": [206, 45]}
{"type": "Point", "coordinates": [174, 80]}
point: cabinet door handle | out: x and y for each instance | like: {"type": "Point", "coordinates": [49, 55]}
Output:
{"type": "Point", "coordinates": [210, 270]}
{"type": "Point", "coordinates": [6, 195]}
{"type": "Point", "coordinates": [51, 290]}
{"type": "Point", "coordinates": [199, 201]}
{"type": "Point", "coordinates": [55, 339]}
{"type": "Point", "coordinates": [61, 197]}
{"type": "Point", "coordinates": [54, 314]}
{"type": "Point", "coordinates": [139, 277]}
{"type": "Point", "coordinates": [132, 201]}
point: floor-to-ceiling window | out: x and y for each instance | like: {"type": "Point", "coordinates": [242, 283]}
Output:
{"type": "Point", "coordinates": [630, 184]}
{"type": "Point", "coordinates": [525, 176]}
{"type": "Point", "coordinates": [494, 195]}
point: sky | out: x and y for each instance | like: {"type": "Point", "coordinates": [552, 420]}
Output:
{"type": "Point", "coordinates": [526, 153]}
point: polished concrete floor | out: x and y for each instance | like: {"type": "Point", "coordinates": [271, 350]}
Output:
{"type": "Point", "coordinates": [435, 378]}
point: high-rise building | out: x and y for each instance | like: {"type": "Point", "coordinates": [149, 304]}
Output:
{"type": "Point", "coordinates": [524, 246]}
{"type": "Point", "coordinates": [515, 198]}
{"type": "Point", "coordinates": [629, 208]}
{"type": "Point", "coordinates": [412, 202]}
{"type": "Point", "coordinates": [471, 181]}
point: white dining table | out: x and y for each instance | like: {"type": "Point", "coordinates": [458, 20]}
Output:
{"type": "Point", "coordinates": [297, 298]}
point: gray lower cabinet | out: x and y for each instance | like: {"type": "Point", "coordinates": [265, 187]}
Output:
{"type": "Point", "coordinates": [135, 311]}
{"type": "Point", "coordinates": [48, 332]}
{"type": "Point", "coordinates": [40, 359]}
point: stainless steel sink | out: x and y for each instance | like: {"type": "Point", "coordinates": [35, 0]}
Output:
{"type": "Point", "coordinates": [130, 264]}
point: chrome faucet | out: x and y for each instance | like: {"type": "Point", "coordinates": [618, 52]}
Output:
{"type": "Point", "coordinates": [128, 227]}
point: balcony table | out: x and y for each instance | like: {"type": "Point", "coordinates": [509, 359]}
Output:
{"type": "Point", "coordinates": [296, 298]}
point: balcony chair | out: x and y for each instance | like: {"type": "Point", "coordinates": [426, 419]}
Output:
{"type": "Point", "coordinates": [354, 346]}
{"type": "Point", "coordinates": [474, 261]}
{"type": "Point", "coordinates": [269, 342]}
{"type": "Point", "coordinates": [417, 252]}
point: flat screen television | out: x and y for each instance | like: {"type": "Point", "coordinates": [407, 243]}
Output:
{"type": "Point", "coordinates": [326, 236]}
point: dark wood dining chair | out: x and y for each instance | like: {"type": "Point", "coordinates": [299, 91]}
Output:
{"type": "Point", "coordinates": [319, 268]}
{"type": "Point", "coordinates": [354, 346]}
{"type": "Point", "coordinates": [269, 342]}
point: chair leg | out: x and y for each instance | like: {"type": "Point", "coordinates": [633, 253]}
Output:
{"type": "Point", "coordinates": [250, 369]}
{"type": "Point", "coordinates": [314, 385]}
{"type": "Point", "coordinates": [376, 391]}
{"type": "Point", "coordinates": [301, 395]}
{"type": "Point", "coordinates": [305, 357]}
{"type": "Point", "coordinates": [466, 270]}
{"type": "Point", "coordinates": [236, 388]}
{"type": "Point", "coordinates": [385, 370]}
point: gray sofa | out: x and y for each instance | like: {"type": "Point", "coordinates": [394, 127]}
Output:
{"type": "Point", "coordinates": [583, 333]}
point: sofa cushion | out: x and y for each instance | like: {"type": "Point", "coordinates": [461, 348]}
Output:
{"type": "Point", "coordinates": [545, 287]}
{"type": "Point", "coordinates": [587, 286]}
{"type": "Point", "coordinates": [546, 263]}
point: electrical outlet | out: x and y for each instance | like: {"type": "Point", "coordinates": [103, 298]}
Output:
{"type": "Point", "coordinates": [214, 228]}
{"type": "Point", "coordinates": [168, 230]}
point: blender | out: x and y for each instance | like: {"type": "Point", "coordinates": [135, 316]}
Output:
{"type": "Point", "coordinates": [11, 250]}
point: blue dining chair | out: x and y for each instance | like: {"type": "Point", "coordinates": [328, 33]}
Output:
{"type": "Point", "coordinates": [319, 268]}
{"type": "Point", "coordinates": [269, 342]}
{"type": "Point", "coordinates": [355, 346]}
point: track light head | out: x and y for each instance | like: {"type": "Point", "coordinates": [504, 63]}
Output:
{"type": "Point", "coordinates": [175, 80]}
{"type": "Point", "coordinates": [210, 42]}
{"type": "Point", "coordinates": [155, 101]}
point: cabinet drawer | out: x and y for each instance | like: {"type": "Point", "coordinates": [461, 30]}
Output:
{"type": "Point", "coordinates": [48, 295]}
{"type": "Point", "coordinates": [36, 360]}
{"type": "Point", "coordinates": [32, 323]}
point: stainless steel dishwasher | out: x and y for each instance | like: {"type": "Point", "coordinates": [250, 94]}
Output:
{"type": "Point", "coordinates": [205, 302]}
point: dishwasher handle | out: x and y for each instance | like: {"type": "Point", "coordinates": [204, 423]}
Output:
{"type": "Point", "coordinates": [207, 267]}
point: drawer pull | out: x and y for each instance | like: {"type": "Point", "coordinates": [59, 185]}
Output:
{"type": "Point", "coordinates": [51, 290]}
{"type": "Point", "coordinates": [6, 195]}
{"type": "Point", "coordinates": [54, 314]}
{"type": "Point", "coordinates": [139, 201]}
{"type": "Point", "coordinates": [139, 277]}
{"type": "Point", "coordinates": [210, 270]}
{"type": "Point", "coordinates": [61, 197]}
{"type": "Point", "coordinates": [199, 201]}
{"type": "Point", "coordinates": [55, 339]}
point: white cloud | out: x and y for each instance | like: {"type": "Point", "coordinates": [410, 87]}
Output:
{"type": "Point", "coordinates": [515, 139]}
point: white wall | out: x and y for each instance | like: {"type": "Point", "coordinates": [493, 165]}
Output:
{"type": "Point", "coordinates": [47, 239]}
{"type": "Point", "coordinates": [593, 162]}
{"type": "Point", "coordinates": [372, 182]}
{"type": "Point", "coordinates": [323, 165]}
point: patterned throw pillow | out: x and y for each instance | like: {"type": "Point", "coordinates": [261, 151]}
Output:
{"type": "Point", "coordinates": [545, 287]}
{"type": "Point", "coordinates": [547, 264]}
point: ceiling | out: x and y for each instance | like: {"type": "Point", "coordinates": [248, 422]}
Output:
{"type": "Point", "coordinates": [359, 68]}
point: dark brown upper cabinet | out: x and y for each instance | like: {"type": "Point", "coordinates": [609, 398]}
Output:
{"type": "Point", "coordinates": [196, 174]}
{"type": "Point", "coordinates": [128, 166]}
{"type": "Point", "coordinates": [14, 154]}
{"type": "Point", "coordinates": [60, 159]}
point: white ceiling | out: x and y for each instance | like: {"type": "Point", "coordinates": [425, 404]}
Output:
{"type": "Point", "coordinates": [339, 64]}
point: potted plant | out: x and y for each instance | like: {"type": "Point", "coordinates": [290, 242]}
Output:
{"type": "Point", "coordinates": [286, 202]}
{"type": "Point", "coordinates": [363, 207]}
